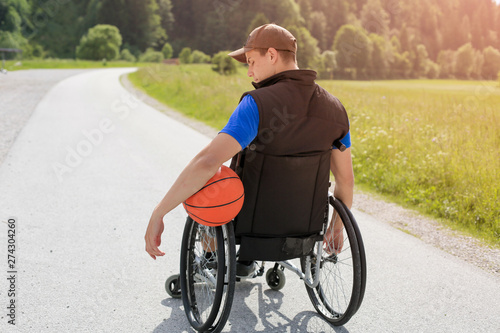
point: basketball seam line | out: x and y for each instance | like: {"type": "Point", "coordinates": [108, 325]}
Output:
{"type": "Point", "coordinates": [221, 205]}
{"type": "Point", "coordinates": [218, 180]}
{"type": "Point", "coordinates": [209, 222]}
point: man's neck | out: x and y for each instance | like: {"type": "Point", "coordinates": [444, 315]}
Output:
{"type": "Point", "coordinates": [285, 67]}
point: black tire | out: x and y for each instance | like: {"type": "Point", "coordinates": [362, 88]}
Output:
{"type": "Point", "coordinates": [342, 276]}
{"type": "Point", "coordinates": [275, 279]}
{"type": "Point", "coordinates": [208, 274]}
{"type": "Point", "coordinates": [173, 286]}
{"type": "Point", "coordinates": [361, 247]}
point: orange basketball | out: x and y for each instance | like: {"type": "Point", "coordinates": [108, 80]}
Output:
{"type": "Point", "coordinates": [219, 201]}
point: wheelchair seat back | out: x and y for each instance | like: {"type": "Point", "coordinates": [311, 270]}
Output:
{"type": "Point", "coordinates": [286, 204]}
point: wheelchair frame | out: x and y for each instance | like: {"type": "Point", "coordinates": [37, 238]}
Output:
{"type": "Point", "coordinates": [215, 274]}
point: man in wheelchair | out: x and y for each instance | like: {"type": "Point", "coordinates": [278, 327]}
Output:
{"type": "Point", "coordinates": [284, 137]}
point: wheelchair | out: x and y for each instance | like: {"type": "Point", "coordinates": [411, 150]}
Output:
{"type": "Point", "coordinates": [334, 282]}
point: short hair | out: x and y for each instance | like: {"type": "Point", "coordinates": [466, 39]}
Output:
{"type": "Point", "coordinates": [287, 56]}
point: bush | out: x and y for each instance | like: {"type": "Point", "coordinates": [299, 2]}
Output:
{"type": "Point", "coordinates": [432, 69]}
{"type": "Point", "coordinates": [327, 64]}
{"type": "Point", "coordinates": [185, 57]}
{"type": "Point", "coordinates": [464, 60]}
{"type": "Point", "coordinates": [151, 56]}
{"type": "Point", "coordinates": [199, 57]}
{"type": "Point", "coordinates": [127, 56]}
{"type": "Point", "coordinates": [101, 41]}
{"type": "Point", "coordinates": [167, 51]}
{"type": "Point", "coordinates": [491, 63]}
{"type": "Point", "coordinates": [14, 41]}
{"type": "Point", "coordinates": [224, 64]}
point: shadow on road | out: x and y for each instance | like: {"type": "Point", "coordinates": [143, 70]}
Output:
{"type": "Point", "coordinates": [267, 318]}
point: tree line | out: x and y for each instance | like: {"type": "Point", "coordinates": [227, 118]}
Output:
{"type": "Point", "coordinates": [359, 39]}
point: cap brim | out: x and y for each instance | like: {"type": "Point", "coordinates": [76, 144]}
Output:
{"type": "Point", "coordinates": [240, 54]}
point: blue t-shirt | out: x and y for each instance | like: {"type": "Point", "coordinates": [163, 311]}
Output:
{"type": "Point", "coordinates": [244, 123]}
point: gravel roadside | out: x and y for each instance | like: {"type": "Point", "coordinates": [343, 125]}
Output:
{"type": "Point", "coordinates": [21, 91]}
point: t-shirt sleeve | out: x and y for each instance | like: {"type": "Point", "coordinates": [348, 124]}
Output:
{"type": "Point", "coordinates": [346, 140]}
{"type": "Point", "coordinates": [244, 122]}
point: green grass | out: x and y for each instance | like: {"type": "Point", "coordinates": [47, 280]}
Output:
{"type": "Point", "coordinates": [195, 90]}
{"type": "Point", "coordinates": [13, 65]}
{"type": "Point", "coordinates": [432, 144]}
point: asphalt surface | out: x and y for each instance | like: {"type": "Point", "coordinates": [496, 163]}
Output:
{"type": "Point", "coordinates": [20, 92]}
{"type": "Point", "coordinates": [82, 178]}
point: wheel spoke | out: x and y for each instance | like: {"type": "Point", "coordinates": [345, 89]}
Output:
{"type": "Point", "coordinates": [207, 289]}
{"type": "Point", "coordinates": [338, 291]}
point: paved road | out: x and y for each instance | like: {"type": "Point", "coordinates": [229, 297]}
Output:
{"type": "Point", "coordinates": [82, 179]}
{"type": "Point", "coordinates": [17, 105]}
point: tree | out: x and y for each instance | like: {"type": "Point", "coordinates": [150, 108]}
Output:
{"type": "Point", "coordinates": [353, 48]}
{"type": "Point", "coordinates": [307, 47]}
{"type": "Point", "coordinates": [328, 64]}
{"type": "Point", "coordinates": [446, 62]}
{"type": "Point", "coordinates": [318, 28]}
{"type": "Point", "coordinates": [477, 65]}
{"type": "Point", "coordinates": [374, 19]}
{"type": "Point", "coordinates": [432, 70]}
{"type": "Point", "coordinates": [185, 56]}
{"type": "Point", "coordinates": [464, 61]}
{"type": "Point", "coordinates": [165, 12]}
{"type": "Point", "coordinates": [421, 60]}
{"type": "Point", "coordinates": [12, 14]}
{"type": "Point", "coordinates": [402, 66]}
{"type": "Point", "coordinates": [101, 42]}
{"type": "Point", "coordinates": [138, 20]}
{"type": "Point", "coordinates": [491, 64]}
{"type": "Point", "coordinates": [396, 45]}
{"type": "Point", "coordinates": [167, 51]}
{"type": "Point", "coordinates": [379, 58]}
{"type": "Point", "coordinates": [284, 12]}
{"type": "Point", "coordinates": [224, 64]}
{"type": "Point", "coordinates": [404, 38]}
{"type": "Point", "coordinates": [258, 20]}
{"type": "Point", "coordinates": [337, 13]}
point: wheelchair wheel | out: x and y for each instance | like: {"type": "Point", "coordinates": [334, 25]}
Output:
{"type": "Point", "coordinates": [173, 287]}
{"type": "Point", "coordinates": [342, 281]}
{"type": "Point", "coordinates": [275, 278]}
{"type": "Point", "coordinates": [207, 274]}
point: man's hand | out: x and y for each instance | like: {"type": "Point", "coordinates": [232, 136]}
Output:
{"type": "Point", "coordinates": [196, 174]}
{"type": "Point", "coordinates": [153, 236]}
{"type": "Point", "coordinates": [334, 237]}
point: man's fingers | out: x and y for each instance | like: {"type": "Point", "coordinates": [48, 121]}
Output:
{"type": "Point", "coordinates": [154, 251]}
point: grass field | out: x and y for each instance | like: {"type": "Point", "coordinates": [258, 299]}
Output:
{"type": "Point", "coordinates": [433, 145]}
{"type": "Point", "coordinates": [13, 65]}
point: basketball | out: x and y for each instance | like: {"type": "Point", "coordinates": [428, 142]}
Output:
{"type": "Point", "coordinates": [219, 201]}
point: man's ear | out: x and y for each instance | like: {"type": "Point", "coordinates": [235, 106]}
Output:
{"type": "Point", "coordinates": [273, 53]}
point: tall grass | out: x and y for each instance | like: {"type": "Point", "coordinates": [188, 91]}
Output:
{"type": "Point", "coordinates": [433, 144]}
{"type": "Point", "coordinates": [195, 90]}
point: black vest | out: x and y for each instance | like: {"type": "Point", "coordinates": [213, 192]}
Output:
{"type": "Point", "coordinates": [285, 170]}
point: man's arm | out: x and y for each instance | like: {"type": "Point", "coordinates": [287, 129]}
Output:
{"type": "Point", "coordinates": [196, 174]}
{"type": "Point", "coordinates": [341, 167]}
